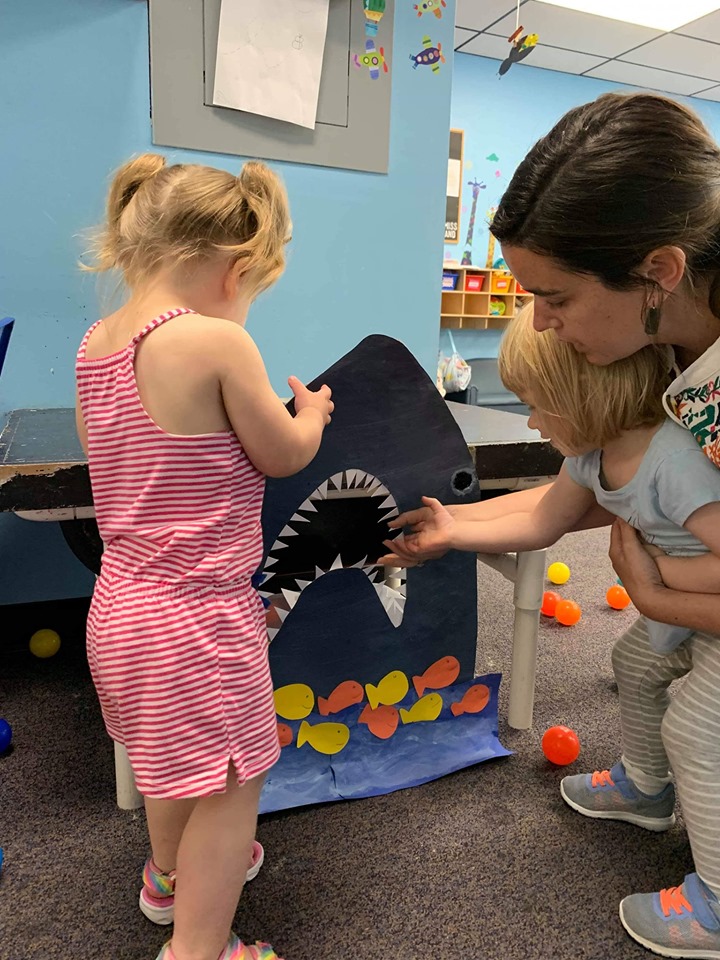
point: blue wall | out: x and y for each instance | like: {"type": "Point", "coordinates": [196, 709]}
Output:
{"type": "Point", "coordinates": [365, 256]}
{"type": "Point", "coordinates": [366, 252]}
{"type": "Point", "coordinates": [505, 116]}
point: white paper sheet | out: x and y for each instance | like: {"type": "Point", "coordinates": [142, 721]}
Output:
{"type": "Point", "coordinates": [269, 57]}
{"type": "Point", "coordinates": [453, 178]}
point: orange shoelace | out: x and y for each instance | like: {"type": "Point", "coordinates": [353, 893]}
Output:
{"type": "Point", "coordinates": [602, 778]}
{"type": "Point", "coordinates": [674, 899]}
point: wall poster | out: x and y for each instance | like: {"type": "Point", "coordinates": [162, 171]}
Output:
{"type": "Point", "coordinates": [454, 187]}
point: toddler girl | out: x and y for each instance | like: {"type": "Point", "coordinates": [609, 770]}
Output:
{"type": "Point", "coordinates": [180, 426]}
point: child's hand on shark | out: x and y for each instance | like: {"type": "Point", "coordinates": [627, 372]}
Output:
{"type": "Point", "coordinates": [431, 541]}
{"type": "Point", "coordinates": [416, 519]}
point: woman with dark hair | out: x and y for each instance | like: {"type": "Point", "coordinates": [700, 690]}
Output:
{"type": "Point", "coordinates": [612, 221]}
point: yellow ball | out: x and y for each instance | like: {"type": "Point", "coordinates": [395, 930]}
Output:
{"type": "Point", "coordinates": [558, 573]}
{"type": "Point", "coordinates": [44, 643]}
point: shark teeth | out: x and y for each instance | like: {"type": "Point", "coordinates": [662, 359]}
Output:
{"type": "Point", "coordinates": [393, 602]}
{"type": "Point", "coordinates": [320, 493]}
{"type": "Point", "coordinates": [389, 585]}
{"type": "Point", "coordinates": [291, 596]}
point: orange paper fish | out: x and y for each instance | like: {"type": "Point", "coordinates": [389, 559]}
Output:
{"type": "Point", "coordinates": [285, 735]}
{"type": "Point", "coordinates": [382, 721]}
{"type": "Point", "coordinates": [442, 673]}
{"type": "Point", "coordinates": [474, 701]}
{"type": "Point", "coordinates": [343, 696]}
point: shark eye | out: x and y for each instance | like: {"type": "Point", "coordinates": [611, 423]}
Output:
{"type": "Point", "coordinates": [341, 526]}
{"type": "Point", "coordinates": [463, 481]}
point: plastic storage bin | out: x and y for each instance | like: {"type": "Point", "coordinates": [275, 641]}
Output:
{"type": "Point", "coordinates": [474, 282]}
{"type": "Point", "coordinates": [449, 281]}
{"type": "Point", "coordinates": [501, 283]}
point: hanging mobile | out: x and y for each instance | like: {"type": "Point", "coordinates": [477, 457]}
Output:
{"type": "Point", "coordinates": [522, 45]}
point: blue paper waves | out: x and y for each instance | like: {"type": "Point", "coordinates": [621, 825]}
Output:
{"type": "Point", "coordinates": [368, 766]}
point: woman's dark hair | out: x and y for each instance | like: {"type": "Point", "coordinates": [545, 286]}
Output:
{"type": "Point", "coordinates": [614, 180]}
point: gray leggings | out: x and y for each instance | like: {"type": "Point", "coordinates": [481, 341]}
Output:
{"type": "Point", "coordinates": [682, 733]}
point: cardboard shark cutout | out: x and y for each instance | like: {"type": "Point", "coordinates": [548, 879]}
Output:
{"type": "Point", "coordinates": [338, 621]}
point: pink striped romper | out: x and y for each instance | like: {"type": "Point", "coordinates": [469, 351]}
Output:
{"type": "Point", "coordinates": [176, 633]}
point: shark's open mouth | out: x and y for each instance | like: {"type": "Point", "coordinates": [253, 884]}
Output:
{"type": "Point", "coordinates": [341, 526]}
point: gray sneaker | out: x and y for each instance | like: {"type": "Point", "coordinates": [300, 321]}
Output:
{"type": "Point", "coordinates": [609, 795]}
{"type": "Point", "coordinates": [678, 922]}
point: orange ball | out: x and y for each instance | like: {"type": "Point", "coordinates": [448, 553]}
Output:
{"type": "Point", "coordinates": [617, 597]}
{"type": "Point", "coordinates": [550, 601]}
{"type": "Point", "coordinates": [567, 612]}
{"type": "Point", "coordinates": [561, 745]}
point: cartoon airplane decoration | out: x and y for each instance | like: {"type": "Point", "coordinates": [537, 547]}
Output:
{"type": "Point", "coordinates": [430, 6]}
{"type": "Point", "coordinates": [373, 59]}
{"type": "Point", "coordinates": [429, 56]}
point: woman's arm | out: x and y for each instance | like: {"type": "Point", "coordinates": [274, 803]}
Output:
{"type": "Point", "coordinates": [700, 574]}
{"type": "Point", "coordinates": [641, 578]}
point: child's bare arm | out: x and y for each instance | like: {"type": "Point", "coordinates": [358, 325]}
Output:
{"type": "Point", "coordinates": [276, 442]}
{"type": "Point", "coordinates": [555, 514]}
{"type": "Point", "coordinates": [522, 501]}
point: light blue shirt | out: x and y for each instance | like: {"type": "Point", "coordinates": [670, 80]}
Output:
{"type": "Point", "coordinates": [674, 479]}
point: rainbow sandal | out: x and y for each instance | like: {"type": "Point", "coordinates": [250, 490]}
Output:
{"type": "Point", "coordinates": [235, 950]}
{"type": "Point", "coordinates": [157, 897]}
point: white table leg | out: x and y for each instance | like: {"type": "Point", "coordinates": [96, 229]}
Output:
{"type": "Point", "coordinates": [529, 583]}
{"type": "Point", "coordinates": [128, 796]}
{"type": "Point", "coordinates": [527, 572]}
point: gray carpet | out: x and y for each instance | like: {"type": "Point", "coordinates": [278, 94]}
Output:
{"type": "Point", "coordinates": [488, 863]}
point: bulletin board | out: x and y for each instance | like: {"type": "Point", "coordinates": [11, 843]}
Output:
{"type": "Point", "coordinates": [454, 187]}
{"type": "Point", "coordinates": [353, 117]}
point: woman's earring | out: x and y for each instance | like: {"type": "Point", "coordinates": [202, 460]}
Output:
{"type": "Point", "coordinates": [652, 320]}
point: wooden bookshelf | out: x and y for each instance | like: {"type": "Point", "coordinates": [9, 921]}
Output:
{"type": "Point", "coordinates": [467, 309]}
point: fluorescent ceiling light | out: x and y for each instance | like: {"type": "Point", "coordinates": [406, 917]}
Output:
{"type": "Point", "coordinates": [658, 14]}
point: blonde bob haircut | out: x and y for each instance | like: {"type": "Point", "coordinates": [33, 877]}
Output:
{"type": "Point", "coordinates": [595, 403]}
{"type": "Point", "coordinates": [162, 215]}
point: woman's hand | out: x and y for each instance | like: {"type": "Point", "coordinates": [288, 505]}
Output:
{"type": "Point", "coordinates": [430, 539]}
{"type": "Point", "coordinates": [635, 566]}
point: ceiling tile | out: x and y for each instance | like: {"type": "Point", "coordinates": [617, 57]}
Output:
{"type": "Point", "coordinates": [567, 61]}
{"type": "Point", "coordinates": [479, 14]}
{"type": "Point", "coordinates": [712, 94]}
{"type": "Point", "coordinates": [485, 45]}
{"type": "Point", "coordinates": [647, 77]}
{"type": "Point", "coordinates": [681, 54]}
{"type": "Point", "coordinates": [462, 36]}
{"type": "Point", "coordinates": [706, 28]}
{"type": "Point", "coordinates": [547, 58]}
{"type": "Point", "coordinates": [576, 31]}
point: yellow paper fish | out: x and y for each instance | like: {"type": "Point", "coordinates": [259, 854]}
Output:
{"type": "Point", "coordinates": [391, 689]}
{"type": "Point", "coordinates": [324, 737]}
{"type": "Point", "coordinates": [427, 708]}
{"type": "Point", "coordinates": [294, 702]}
